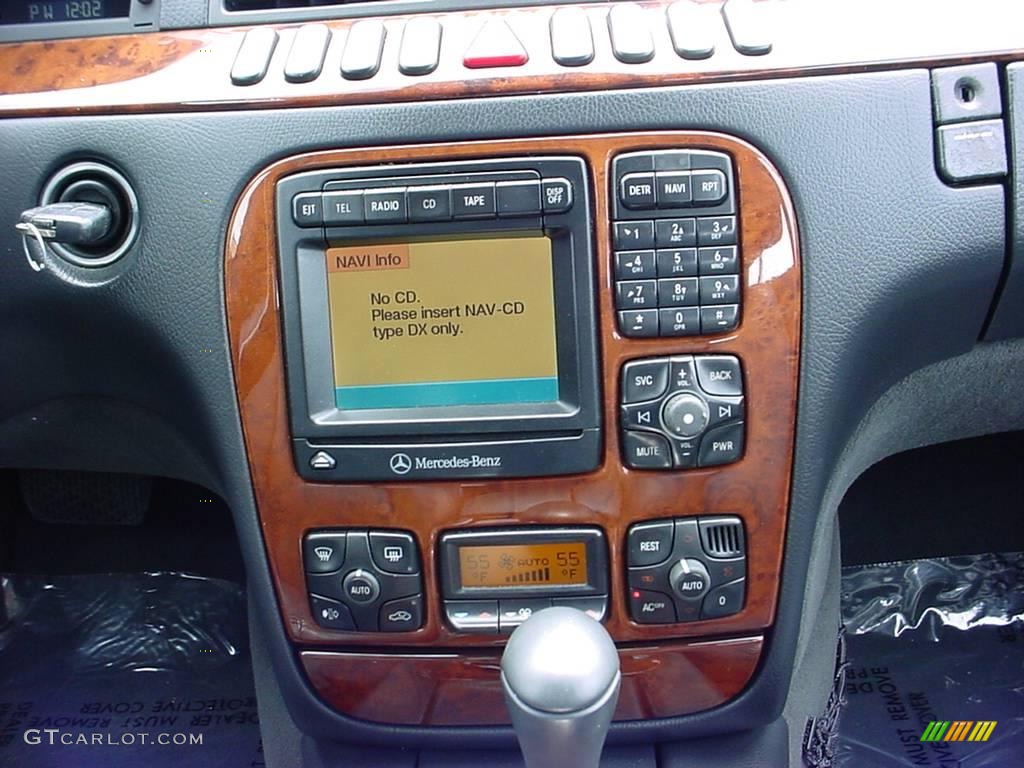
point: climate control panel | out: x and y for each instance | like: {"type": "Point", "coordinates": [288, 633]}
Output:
{"type": "Point", "coordinates": [364, 581]}
{"type": "Point", "coordinates": [686, 569]}
{"type": "Point", "coordinates": [682, 412]}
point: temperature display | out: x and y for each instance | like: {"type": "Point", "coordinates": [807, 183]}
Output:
{"type": "Point", "coordinates": [521, 565]}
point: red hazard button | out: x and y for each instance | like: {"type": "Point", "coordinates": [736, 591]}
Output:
{"type": "Point", "coordinates": [495, 46]}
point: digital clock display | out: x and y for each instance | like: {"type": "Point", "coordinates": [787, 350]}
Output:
{"type": "Point", "coordinates": [523, 565]}
{"type": "Point", "coordinates": [62, 10]}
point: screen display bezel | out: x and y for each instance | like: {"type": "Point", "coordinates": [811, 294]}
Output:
{"type": "Point", "coordinates": [305, 309]}
{"type": "Point", "coordinates": [451, 575]}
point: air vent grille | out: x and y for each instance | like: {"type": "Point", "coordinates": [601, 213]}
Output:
{"type": "Point", "coordinates": [722, 536]}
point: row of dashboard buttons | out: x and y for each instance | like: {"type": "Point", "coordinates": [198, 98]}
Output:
{"type": "Point", "coordinates": [693, 28]}
{"type": "Point", "coordinates": [388, 205]}
{"type": "Point", "coordinates": [493, 616]}
{"type": "Point", "coordinates": [672, 189]}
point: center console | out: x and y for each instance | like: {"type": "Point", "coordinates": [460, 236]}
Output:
{"type": "Point", "coordinates": [481, 379]}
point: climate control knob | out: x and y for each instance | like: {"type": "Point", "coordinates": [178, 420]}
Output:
{"type": "Point", "coordinates": [685, 415]}
{"type": "Point", "coordinates": [689, 579]}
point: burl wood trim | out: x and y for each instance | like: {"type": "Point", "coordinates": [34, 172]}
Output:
{"type": "Point", "coordinates": [465, 689]}
{"type": "Point", "coordinates": [189, 70]}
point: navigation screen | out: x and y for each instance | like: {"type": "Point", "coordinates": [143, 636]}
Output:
{"type": "Point", "coordinates": [467, 321]}
{"type": "Point", "coordinates": [515, 565]}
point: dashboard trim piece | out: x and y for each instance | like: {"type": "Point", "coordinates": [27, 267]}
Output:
{"type": "Point", "coordinates": [756, 488]}
{"type": "Point", "coordinates": [189, 70]}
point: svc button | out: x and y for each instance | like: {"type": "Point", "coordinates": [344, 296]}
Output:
{"type": "Point", "coordinates": [650, 543]}
{"type": "Point", "coordinates": [644, 380]}
{"type": "Point", "coordinates": [394, 552]}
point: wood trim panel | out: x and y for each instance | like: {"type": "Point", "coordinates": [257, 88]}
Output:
{"type": "Point", "coordinates": [189, 70]}
{"type": "Point", "coordinates": [755, 488]}
{"type": "Point", "coordinates": [465, 689]}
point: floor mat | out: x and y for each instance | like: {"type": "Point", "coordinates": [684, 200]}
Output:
{"type": "Point", "coordinates": [125, 670]}
{"type": "Point", "coordinates": [940, 641]}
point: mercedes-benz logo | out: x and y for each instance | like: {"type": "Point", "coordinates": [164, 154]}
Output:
{"type": "Point", "coordinates": [401, 463]}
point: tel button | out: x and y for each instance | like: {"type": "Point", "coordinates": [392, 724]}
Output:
{"type": "Point", "coordinates": [650, 543]}
{"type": "Point", "coordinates": [361, 587]}
{"type": "Point", "coordinates": [644, 380]}
{"type": "Point", "coordinates": [649, 607]}
{"type": "Point", "coordinates": [394, 552]}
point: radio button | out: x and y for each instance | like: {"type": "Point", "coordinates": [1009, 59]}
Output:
{"type": "Point", "coordinates": [404, 615]}
{"type": "Point", "coordinates": [394, 552]}
{"type": "Point", "coordinates": [684, 321]}
{"type": "Point", "coordinates": [648, 607]}
{"type": "Point", "coordinates": [636, 294]}
{"type": "Point", "coordinates": [641, 323]}
{"type": "Point", "coordinates": [594, 607]}
{"type": "Point", "coordinates": [343, 208]}
{"type": "Point", "coordinates": [677, 262]}
{"type": "Point", "coordinates": [644, 450]}
{"type": "Point", "coordinates": [675, 232]}
{"type": "Point", "coordinates": [720, 289]}
{"type": "Point", "coordinates": [631, 265]}
{"type": "Point", "coordinates": [361, 587]}
{"type": "Point", "coordinates": [308, 209]}
{"type": "Point", "coordinates": [331, 614]}
{"type": "Point", "coordinates": [716, 230]}
{"type": "Point", "coordinates": [633, 234]}
{"type": "Point", "coordinates": [430, 203]}
{"type": "Point", "coordinates": [650, 543]}
{"type": "Point", "coordinates": [512, 613]}
{"type": "Point", "coordinates": [637, 191]}
{"type": "Point", "coordinates": [556, 195]}
{"type": "Point", "coordinates": [719, 319]}
{"type": "Point", "coordinates": [384, 205]}
{"type": "Point", "coordinates": [480, 616]}
{"type": "Point", "coordinates": [473, 201]}
{"type": "Point", "coordinates": [721, 260]}
{"type": "Point", "coordinates": [644, 380]}
{"type": "Point", "coordinates": [673, 189]}
{"type": "Point", "coordinates": [518, 198]}
{"type": "Point", "coordinates": [678, 292]}
{"type": "Point", "coordinates": [323, 552]}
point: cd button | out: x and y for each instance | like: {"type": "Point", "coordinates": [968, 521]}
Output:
{"type": "Point", "coordinates": [343, 208]}
{"type": "Point", "coordinates": [429, 203]}
{"type": "Point", "coordinates": [384, 205]}
{"type": "Point", "coordinates": [473, 201]}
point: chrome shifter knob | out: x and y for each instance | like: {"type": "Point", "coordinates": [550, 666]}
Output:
{"type": "Point", "coordinates": [560, 672]}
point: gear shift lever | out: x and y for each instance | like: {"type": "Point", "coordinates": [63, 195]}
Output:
{"type": "Point", "coordinates": [560, 671]}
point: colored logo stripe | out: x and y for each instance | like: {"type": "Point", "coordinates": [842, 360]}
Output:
{"type": "Point", "coordinates": [959, 730]}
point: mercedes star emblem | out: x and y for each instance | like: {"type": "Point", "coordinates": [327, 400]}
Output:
{"type": "Point", "coordinates": [401, 463]}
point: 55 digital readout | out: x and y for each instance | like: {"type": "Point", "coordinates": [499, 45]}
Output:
{"type": "Point", "coordinates": [62, 10]}
{"type": "Point", "coordinates": [520, 565]}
